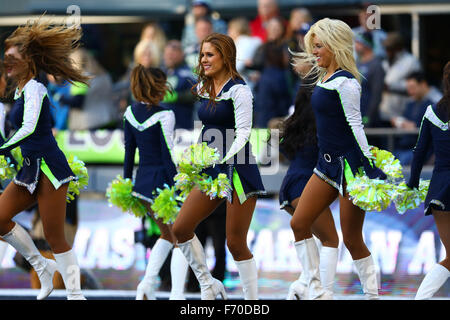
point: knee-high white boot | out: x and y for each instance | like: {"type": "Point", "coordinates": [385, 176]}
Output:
{"type": "Point", "coordinates": [327, 267]}
{"type": "Point", "coordinates": [19, 238]}
{"type": "Point", "coordinates": [308, 255]}
{"type": "Point", "coordinates": [158, 255]}
{"type": "Point", "coordinates": [367, 272]}
{"type": "Point", "coordinates": [298, 290]}
{"type": "Point", "coordinates": [195, 255]}
{"type": "Point", "coordinates": [249, 278]}
{"type": "Point", "coordinates": [178, 271]}
{"type": "Point", "coordinates": [434, 279]}
{"type": "Point", "coordinates": [70, 272]}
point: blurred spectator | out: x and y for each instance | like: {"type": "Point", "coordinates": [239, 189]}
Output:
{"type": "Point", "coordinates": [180, 77]}
{"type": "Point", "coordinates": [246, 45]}
{"type": "Point", "coordinates": [145, 53]}
{"type": "Point", "coordinates": [154, 33]}
{"type": "Point", "coordinates": [372, 78]}
{"type": "Point", "coordinates": [200, 9]}
{"type": "Point", "coordinates": [299, 23]}
{"type": "Point", "coordinates": [59, 90]}
{"type": "Point", "coordinates": [378, 35]}
{"type": "Point", "coordinates": [274, 89]}
{"type": "Point", "coordinates": [267, 9]}
{"type": "Point", "coordinates": [421, 96]}
{"type": "Point", "coordinates": [203, 28]}
{"type": "Point", "coordinates": [398, 65]}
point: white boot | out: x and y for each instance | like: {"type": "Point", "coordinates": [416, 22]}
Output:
{"type": "Point", "coordinates": [434, 279]}
{"type": "Point", "coordinates": [158, 255]}
{"type": "Point", "coordinates": [178, 271]}
{"type": "Point", "coordinates": [70, 272]}
{"type": "Point", "coordinates": [298, 290]}
{"type": "Point", "coordinates": [309, 257]}
{"type": "Point", "coordinates": [249, 278]}
{"type": "Point", "coordinates": [367, 272]}
{"type": "Point", "coordinates": [19, 238]}
{"type": "Point", "coordinates": [195, 255]}
{"type": "Point", "coordinates": [327, 267]}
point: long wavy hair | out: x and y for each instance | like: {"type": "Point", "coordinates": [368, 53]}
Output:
{"type": "Point", "coordinates": [45, 47]}
{"type": "Point", "coordinates": [300, 128]}
{"type": "Point", "coordinates": [227, 49]}
{"type": "Point", "coordinates": [337, 37]}
{"type": "Point", "coordinates": [148, 85]}
{"type": "Point", "coordinates": [443, 105]}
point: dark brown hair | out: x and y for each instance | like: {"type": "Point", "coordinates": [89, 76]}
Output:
{"type": "Point", "coordinates": [148, 85]}
{"type": "Point", "coordinates": [45, 47]}
{"type": "Point", "coordinates": [443, 105]}
{"type": "Point", "coordinates": [227, 49]}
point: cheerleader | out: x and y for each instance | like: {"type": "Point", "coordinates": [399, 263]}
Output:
{"type": "Point", "coordinates": [150, 128]}
{"type": "Point", "coordinates": [45, 175]}
{"type": "Point", "coordinates": [226, 110]}
{"type": "Point", "coordinates": [343, 150]}
{"type": "Point", "coordinates": [299, 144]}
{"type": "Point", "coordinates": [435, 132]}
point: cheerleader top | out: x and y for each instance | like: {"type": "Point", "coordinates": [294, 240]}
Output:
{"type": "Point", "coordinates": [336, 106]}
{"type": "Point", "coordinates": [435, 133]}
{"type": "Point", "coordinates": [227, 124]}
{"type": "Point", "coordinates": [31, 118]}
{"type": "Point", "coordinates": [151, 130]}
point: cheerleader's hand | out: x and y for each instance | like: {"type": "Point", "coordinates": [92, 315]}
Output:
{"type": "Point", "coordinates": [373, 172]}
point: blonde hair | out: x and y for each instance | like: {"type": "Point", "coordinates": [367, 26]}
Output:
{"type": "Point", "coordinates": [147, 45]}
{"type": "Point", "coordinates": [337, 37]}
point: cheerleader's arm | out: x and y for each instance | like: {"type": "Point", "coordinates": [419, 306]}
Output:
{"type": "Point", "coordinates": [130, 150]}
{"type": "Point", "coordinates": [420, 152]}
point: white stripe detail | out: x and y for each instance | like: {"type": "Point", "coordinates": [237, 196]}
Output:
{"type": "Point", "coordinates": [2, 120]}
{"type": "Point", "coordinates": [167, 120]}
{"type": "Point", "coordinates": [34, 93]}
{"type": "Point", "coordinates": [243, 114]}
{"type": "Point", "coordinates": [434, 119]}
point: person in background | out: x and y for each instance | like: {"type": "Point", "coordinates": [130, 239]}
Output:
{"type": "Point", "coordinates": [267, 9]}
{"type": "Point", "coordinates": [372, 79]}
{"type": "Point", "coordinates": [300, 20]}
{"type": "Point", "coordinates": [181, 79]}
{"type": "Point", "coordinates": [273, 93]}
{"type": "Point", "coordinates": [154, 33]}
{"type": "Point", "coordinates": [397, 65]}
{"type": "Point", "coordinates": [145, 53]}
{"type": "Point", "coordinates": [366, 18]}
{"type": "Point", "coordinates": [422, 95]}
{"type": "Point", "coordinates": [97, 110]}
{"type": "Point", "coordinates": [200, 9]}
{"type": "Point", "coordinates": [203, 28]}
{"type": "Point", "coordinates": [246, 45]}
{"type": "Point", "coordinates": [435, 133]}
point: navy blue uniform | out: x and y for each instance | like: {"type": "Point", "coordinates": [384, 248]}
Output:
{"type": "Point", "coordinates": [31, 118]}
{"type": "Point", "coordinates": [343, 146]}
{"type": "Point", "coordinates": [151, 131]}
{"type": "Point", "coordinates": [299, 172]}
{"type": "Point", "coordinates": [227, 126]}
{"type": "Point", "coordinates": [433, 133]}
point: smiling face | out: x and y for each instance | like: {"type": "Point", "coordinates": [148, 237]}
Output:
{"type": "Point", "coordinates": [324, 56]}
{"type": "Point", "coordinates": [211, 60]}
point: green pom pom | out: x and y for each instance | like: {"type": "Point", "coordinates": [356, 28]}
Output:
{"type": "Point", "coordinates": [370, 194]}
{"type": "Point", "coordinates": [17, 154]}
{"type": "Point", "coordinates": [119, 194]}
{"type": "Point", "coordinates": [386, 161]}
{"type": "Point", "coordinates": [200, 156]}
{"type": "Point", "coordinates": [166, 204]}
{"type": "Point", "coordinates": [7, 170]}
{"type": "Point", "coordinates": [405, 198]}
{"type": "Point", "coordinates": [79, 169]}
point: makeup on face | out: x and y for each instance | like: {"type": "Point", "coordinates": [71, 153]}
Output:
{"type": "Point", "coordinates": [211, 60]}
